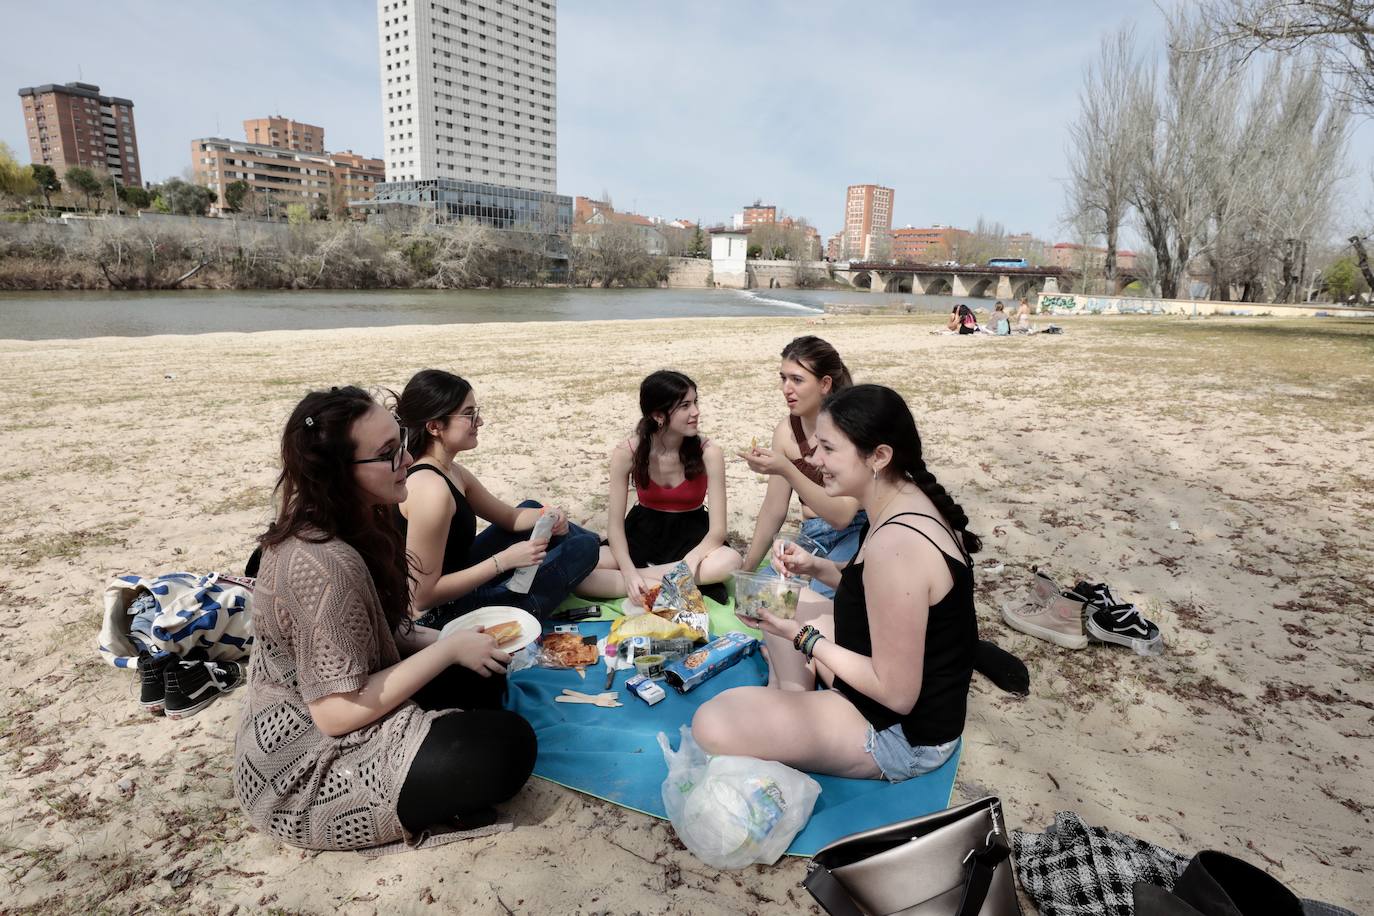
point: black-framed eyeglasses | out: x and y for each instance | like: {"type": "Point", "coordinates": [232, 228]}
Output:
{"type": "Point", "coordinates": [393, 456]}
{"type": "Point", "coordinates": [473, 416]}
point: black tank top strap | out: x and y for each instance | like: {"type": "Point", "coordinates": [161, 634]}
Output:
{"type": "Point", "coordinates": [462, 527]}
{"type": "Point", "coordinates": [968, 560]}
{"type": "Point", "coordinates": [453, 487]}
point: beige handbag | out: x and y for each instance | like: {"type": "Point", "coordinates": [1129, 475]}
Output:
{"type": "Point", "coordinates": [951, 863]}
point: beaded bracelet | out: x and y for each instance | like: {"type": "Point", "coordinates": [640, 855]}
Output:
{"type": "Point", "coordinates": [809, 647]}
{"type": "Point", "coordinates": [802, 636]}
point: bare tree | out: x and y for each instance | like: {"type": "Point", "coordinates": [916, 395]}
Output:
{"type": "Point", "coordinates": [1100, 140]}
{"type": "Point", "coordinates": [987, 240]}
{"type": "Point", "coordinates": [1180, 125]}
{"type": "Point", "coordinates": [1340, 32]}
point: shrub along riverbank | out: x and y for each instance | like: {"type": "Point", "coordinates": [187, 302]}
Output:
{"type": "Point", "coordinates": [141, 254]}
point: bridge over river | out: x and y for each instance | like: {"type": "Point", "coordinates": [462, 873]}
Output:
{"type": "Point", "coordinates": [970, 281]}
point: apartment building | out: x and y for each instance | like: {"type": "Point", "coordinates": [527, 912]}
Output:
{"type": "Point", "coordinates": [279, 177]}
{"type": "Point", "coordinates": [867, 221]}
{"type": "Point", "coordinates": [469, 111]}
{"type": "Point", "coordinates": [1088, 257]}
{"type": "Point", "coordinates": [74, 125]}
{"type": "Point", "coordinates": [356, 177]}
{"type": "Point", "coordinates": [584, 208]}
{"type": "Point", "coordinates": [284, 133]}
{"type": "Point", "coordinates": [759, 215]}
{"type": "Point", "coordinates": [468, 91]}
{"type": "Point", "coordinates": [1025, 245]}
{"type": "Point", "coordinates": [927, 245]}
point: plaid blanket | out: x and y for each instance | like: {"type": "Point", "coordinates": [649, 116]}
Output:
{"type": "Point", "coordinates": [1075, 870]}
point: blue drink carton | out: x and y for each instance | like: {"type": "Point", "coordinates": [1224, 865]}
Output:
{"type": "Point", "coordinates": [703, 664]}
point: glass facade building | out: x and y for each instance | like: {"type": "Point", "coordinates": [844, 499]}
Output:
{"type": "Point", "coordinates": [452, 200]}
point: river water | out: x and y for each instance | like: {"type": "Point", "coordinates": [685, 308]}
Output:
{"type": "Point", "coordinates": [66, 315]}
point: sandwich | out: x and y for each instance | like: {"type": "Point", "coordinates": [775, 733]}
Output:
{"type": "Point", "coordinates": [506, 632]}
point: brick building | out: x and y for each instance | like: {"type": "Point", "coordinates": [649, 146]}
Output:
{"type": "Point", "coordinates": [1079, 257]}
{"type": "Point", "coordinates": [867, 221]}
{"type": "Point", "coordinates": [929, 245]}
{"type": "Point", "coordinates": [584, 208]}
{"type": "Point", "coordinates": [760, 215]}
{"type": "Point", "coordinates": [74, 125]}
{"type": "Point", "coordinates": [283, 177]}
{"type": "Point", "coordinates": [284, 133]}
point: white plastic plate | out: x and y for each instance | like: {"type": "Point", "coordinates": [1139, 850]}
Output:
{"type": "Point", "coordinates": [490, 616]}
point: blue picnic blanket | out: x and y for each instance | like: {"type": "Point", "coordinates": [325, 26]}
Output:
{"type": "Point", "coordinates": [613, 754]}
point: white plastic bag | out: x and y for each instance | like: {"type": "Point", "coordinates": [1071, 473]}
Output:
{"type": "Point", "coordinates": [734, 811]}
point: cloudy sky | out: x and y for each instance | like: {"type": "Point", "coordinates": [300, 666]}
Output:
{"type": "Point", "coordinates": [676, 109]}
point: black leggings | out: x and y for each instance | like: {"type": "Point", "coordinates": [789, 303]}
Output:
{"type": "Point", "coordinates": [470, 760]}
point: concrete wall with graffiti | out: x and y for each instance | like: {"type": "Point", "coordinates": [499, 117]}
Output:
{"type": "Point", "coordinates": [1085, 304]}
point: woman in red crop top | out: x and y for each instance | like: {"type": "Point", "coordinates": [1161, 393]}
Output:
{"type": "Point", "coordinates": [673, 471]}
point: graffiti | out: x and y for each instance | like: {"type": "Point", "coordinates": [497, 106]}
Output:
{"type": "Point", "coordinates": [1056, 302]}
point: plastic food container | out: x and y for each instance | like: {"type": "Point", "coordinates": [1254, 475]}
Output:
{"type": "Point", "coordinates": [650, 665]}
{"type": "Point", "coordinates": [776, 594]}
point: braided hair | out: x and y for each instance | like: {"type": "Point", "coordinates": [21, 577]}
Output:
{"type": "Point", "coordinates": [873, 415]}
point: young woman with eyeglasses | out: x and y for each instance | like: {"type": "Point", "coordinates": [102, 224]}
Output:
{"type": "Point", "coordinates": [361, 729]}
{"type": "Point", "coordinates": [679, 484]}
{"type": "Point", "coordinates": [459, 570]}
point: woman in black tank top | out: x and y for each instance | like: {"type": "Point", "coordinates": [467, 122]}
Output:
{"type": "Point", "coordinates": [898, 662]}
{"type": "Point", "coordinates": [457, 569]}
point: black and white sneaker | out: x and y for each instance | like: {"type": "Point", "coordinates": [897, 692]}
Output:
{"type": "Point", "coordinates": [192, 686]}
{"type": "Point", "coordinates": [1118, 622]}
{"type": "Point", "coordinates": [152, 682]}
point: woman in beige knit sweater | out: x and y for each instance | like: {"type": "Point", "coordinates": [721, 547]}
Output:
{"type": "Point", "coordinates": [360, 729]}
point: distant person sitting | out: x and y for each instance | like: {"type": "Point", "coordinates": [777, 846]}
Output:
{"type": "Point", "coordinates": [1000, 321]}
{"type": "Point", "coordinates": [961, 319]}
{"type": "Point", "coordinates": [1023, 317]}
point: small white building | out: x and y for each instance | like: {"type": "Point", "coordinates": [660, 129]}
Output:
{"type": "Point", "coordinates": [729, 258]}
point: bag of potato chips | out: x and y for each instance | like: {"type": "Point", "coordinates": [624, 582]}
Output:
{"type": "Point", "coordinates": [680, 600]}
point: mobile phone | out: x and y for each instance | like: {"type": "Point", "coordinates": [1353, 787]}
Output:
{"type": "Point", "coordinates": [577, 613]}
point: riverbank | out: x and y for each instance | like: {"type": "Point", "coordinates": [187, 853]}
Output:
{"type": "Point", "coordinates": [1073, 452]}
{"type": "Point", "coordinates": [75, 315]}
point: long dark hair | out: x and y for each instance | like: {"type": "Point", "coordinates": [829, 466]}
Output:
{"type": "Point", "coordinates": [660, 392]}
{"type": "Point", "coordinates": [431, 394]}
{"type": "Point", "coordinates": [873, 415]}
{"type": "Point", "coordinates": [318, 498]}
{"type": "Point", "coordinates": [820, 359]}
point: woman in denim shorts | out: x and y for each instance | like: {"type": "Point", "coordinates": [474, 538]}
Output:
{"type": "Point", "coordinates": [897, 661]}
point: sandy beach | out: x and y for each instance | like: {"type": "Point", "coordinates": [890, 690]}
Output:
{"type": "Point", "coordinates": [1218, 473]}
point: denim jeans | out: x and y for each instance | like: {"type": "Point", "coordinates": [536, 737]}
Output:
{"type": "Point", "coordinates": [570, 559]}
{"type": "Point", "coordinates": [899, 761]}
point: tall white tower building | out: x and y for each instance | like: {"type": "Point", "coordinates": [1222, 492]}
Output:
{"type": "Point", "coordinates": [468, 91]}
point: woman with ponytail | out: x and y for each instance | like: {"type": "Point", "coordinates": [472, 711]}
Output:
{"type": "Point", "coordinates": [457, 569]}
{"type": "Point", "coordinates": [361, 729]}
{"type": "Point", "coordinates": [811, 370]}
{"type": "Point", "coordinates": [679, 484]}
{"type": "Point", "coordinates": [900, 656]}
